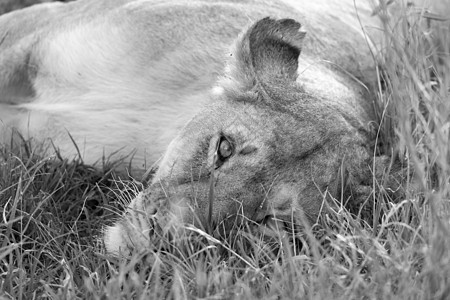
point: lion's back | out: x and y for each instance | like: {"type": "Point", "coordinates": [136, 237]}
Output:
{"type": "Point", "coordinates": [129, 74]}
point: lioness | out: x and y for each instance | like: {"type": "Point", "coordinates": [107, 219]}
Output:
{"type": "Point", "coordinates": [248, 126]}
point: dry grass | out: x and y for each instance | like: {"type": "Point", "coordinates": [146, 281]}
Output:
{"type": "Point", "coordinates": [52, 212]}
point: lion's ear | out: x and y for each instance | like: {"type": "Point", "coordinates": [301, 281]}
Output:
{"type": "Point", "coordinates": [275, 47]}
{"type": "Point", "coordinates": [268, 50]}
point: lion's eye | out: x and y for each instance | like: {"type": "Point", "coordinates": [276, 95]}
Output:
{"type": "Point", "coordinates": [225, 149]}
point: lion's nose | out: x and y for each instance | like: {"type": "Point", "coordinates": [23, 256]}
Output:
{"type": "Point", "coordinates": [260, 216]}
{"type": "Point", "coordinates": [151, 211]}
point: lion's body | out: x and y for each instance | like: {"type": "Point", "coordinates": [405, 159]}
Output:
{"type": "Point", "coordinates": [130, 75]}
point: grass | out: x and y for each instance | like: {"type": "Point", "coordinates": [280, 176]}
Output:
{"type": "Point", "coordinates": [9, 5]}
{"type": "Point", "coordinates": [52, 213]}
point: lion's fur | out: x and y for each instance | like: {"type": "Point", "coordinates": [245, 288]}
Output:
{"type": "Point", "coordinates": [174, 77]}
{"type": "Point", "coordinates": [78, 66]}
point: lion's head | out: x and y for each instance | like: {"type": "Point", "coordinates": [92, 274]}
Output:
{"type": "Point", "coordinates": [267, 147]}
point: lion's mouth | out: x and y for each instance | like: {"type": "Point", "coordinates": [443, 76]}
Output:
{"type": "Point", "coordinates": [172, 215]}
